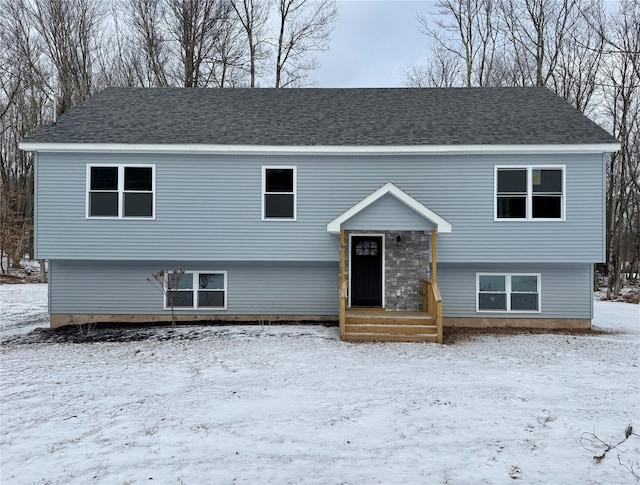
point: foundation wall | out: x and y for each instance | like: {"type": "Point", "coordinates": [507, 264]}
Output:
{"type": "Point", "coordinates": [548, 323]}
{"type": "Point", "coordinates": [64, 319]}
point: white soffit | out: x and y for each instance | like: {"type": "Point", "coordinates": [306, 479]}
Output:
{"type": "Point", "coordinates": [441, 224]}
{"type": "Point", "coordinates": [324, 150]}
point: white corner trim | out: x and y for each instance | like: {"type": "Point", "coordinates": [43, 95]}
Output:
{"type": "Point", "coordinates": [320, 150]}
{"type": "Point", "coordinates": [442, 225]}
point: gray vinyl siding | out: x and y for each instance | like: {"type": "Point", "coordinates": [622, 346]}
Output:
{"type": "Point", "coordinates": [120, 287]}
{"type": "Point", "coordinates": [388, 214]}
{"type": "Point", "coordinates": [566, 289]}
{"type": "Point", "coordinates": [208, 207]}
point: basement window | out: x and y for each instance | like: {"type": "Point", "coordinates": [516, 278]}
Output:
{"type": "Point", "coordinates": [279, 186]}
{"type": "Point", "coordinates": [196, 290]}
{"type": "Point", "coordinates": [121, 191]}
{"type": "Point", "coordinates": [507, 292]}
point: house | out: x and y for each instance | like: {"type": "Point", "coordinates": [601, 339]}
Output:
{"type": "Point", "coordinates": [392, 211]}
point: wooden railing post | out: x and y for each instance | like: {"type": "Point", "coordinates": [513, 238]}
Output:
{"type": "Point", "coordinates": [431, 293]}
{"type": "Point", "coordinates": [425, 308]}
{"type": "Point", "coordinates": [434, 258]}
{"type": "Point", "coordinates": [342, 310]}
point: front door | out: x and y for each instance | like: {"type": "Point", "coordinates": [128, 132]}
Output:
{"type": "Point", "coordinates": [366, 271]}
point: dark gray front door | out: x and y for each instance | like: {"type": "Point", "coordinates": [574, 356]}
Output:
{"type": "Point", "coordinates": [366, 271]}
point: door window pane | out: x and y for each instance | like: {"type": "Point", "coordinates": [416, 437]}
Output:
{"type": "Point", "coordinates": [367, 248]}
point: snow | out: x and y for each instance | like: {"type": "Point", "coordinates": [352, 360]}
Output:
{"type": "Point", "coordinates": [294, 404]}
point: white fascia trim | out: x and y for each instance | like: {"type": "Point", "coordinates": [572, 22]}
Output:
{"type": "Point", "coordinates": [441, 224]}
{"type": "Point", "coordinates": [325, 150]}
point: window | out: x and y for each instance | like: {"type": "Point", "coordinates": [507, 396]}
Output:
{"type": "Point", "coordinates": [367, 248]}
{"type": "Point", "coordinates": [279, 193]}
{"type": "Point", "coordinates": [507, 292]}
{"type": "Point", "coordinates": [121, 191]}
{"type": "Point", "coordinates": [527, 193]}
{"type": "Point", "coordinates": [196, 289]}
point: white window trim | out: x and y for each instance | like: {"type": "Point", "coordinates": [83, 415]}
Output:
{"type": "Point", "coordinates": [529, 205]}
{"type": "Point", "coordinates": [295, 191]}
{"type": "Point", "coordinates": [121, 191]}
{"type": "Point", "coordinates": [508, 292]}
{"type": "Point", "coordinates": [195, 290]}
{"type": "Point", "coordinates": [384, 279]}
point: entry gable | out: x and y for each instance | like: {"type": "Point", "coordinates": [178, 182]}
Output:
{"type": "Point", "coordinates": [389, 188]}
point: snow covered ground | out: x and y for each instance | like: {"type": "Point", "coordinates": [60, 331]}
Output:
{"type": "Point", "coordinates": [294, 404]}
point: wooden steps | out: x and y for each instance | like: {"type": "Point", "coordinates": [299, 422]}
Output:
{"type": "Point", "coordinates": [381, 326]}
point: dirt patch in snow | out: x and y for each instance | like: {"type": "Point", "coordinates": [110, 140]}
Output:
{"type": "Point", "coordinates": [152, 332]}
{"type": "Point", "coordinates": [454, 335]}
{"type": "Point", "coordinates": [160, 332]}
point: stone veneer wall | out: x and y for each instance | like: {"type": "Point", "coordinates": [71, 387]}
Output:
{"type": "Point", "coordinates": [406, 265]}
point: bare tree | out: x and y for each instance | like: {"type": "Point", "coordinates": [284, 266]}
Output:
{"type": "Point", "coordinates": [168, 282]}
{"type": "Point", "coordinates": [304, 26]}
{"type": "Point", "coordinates": [118, 62]}
{"type": "Point", "coordinates": [467, 30]}
{"type": "Point", "coordinates": [579, 60]}
{"type": "Point", "coordinates": [24, 103]}
{"type": "Point", "coordinates": [442, 71]}
{"type": "Point", "coordinates": [622, 98]}
{"type": "Point", "coordinates": [253, 16]}
{"type": "Point", "coordinates": [69, 30]}
{"type": "Point", "coordinates": [229, 52]}
{"type": "Point", "coordinates": [146, 18]}
{"type": "Point", "coordinates": [197, 25]}
{"type": "Point", "coordinates": [537, 30]}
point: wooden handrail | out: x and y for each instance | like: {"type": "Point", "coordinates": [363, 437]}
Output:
{"type": "Point", "coordinates": [432, 304]}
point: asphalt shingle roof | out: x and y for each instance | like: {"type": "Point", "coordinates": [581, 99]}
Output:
{"type": "Point", "coordinates": [297, 117]}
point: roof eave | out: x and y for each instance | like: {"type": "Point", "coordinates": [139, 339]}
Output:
{"type": "Point", "coordinates": [317, 149]}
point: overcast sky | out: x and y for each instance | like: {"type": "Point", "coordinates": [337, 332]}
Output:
{"type": "Point", "coordinates": [374, 40]}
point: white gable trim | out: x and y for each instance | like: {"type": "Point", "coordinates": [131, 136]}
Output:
{"type": "Point", "coordinates": [441, 224]}
{"type": "Point", "coordinates": [316, 149]}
